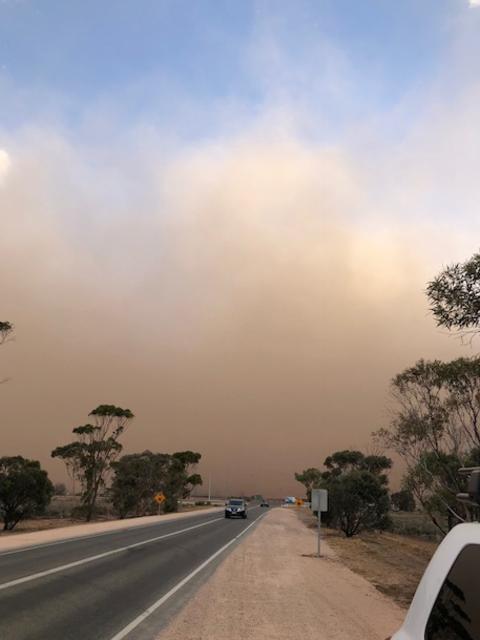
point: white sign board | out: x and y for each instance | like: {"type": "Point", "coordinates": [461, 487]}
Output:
{"type": "Point", "coordinates": [319, 500]}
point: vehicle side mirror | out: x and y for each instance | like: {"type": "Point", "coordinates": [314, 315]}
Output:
{"type": "Point", "coordinates": [474, 486]}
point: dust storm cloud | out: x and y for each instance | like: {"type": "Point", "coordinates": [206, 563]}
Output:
{"type": "Point", "coordinates": [248, 298]}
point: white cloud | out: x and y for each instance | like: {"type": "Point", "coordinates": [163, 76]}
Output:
{"type": "Point", "coordinates": [5, 163]}
{"type": "Point", "coordinates": [474, 3]}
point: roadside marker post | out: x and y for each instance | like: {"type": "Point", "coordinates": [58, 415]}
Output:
{"type": "Point", "coordinates": [319, 504]}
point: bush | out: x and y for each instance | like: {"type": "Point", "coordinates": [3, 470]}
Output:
{"type": "Point", "coordinates": [59, 489]}
{"type": "Point", "coordinates": [25, 490]}
{"type": "Point", "coordinates": [358, 501]}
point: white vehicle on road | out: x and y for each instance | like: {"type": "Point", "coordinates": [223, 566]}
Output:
{"type": "Point", "coordinates": [446, 605]}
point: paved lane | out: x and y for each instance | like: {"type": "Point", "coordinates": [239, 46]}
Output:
{"type": "Point", "coordinates": [92, 588]}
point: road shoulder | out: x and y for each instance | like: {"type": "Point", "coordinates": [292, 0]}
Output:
{"type": "Point", "coordinates": [270, 586]}
{"type": "Point", "coordinates": [49, 536]}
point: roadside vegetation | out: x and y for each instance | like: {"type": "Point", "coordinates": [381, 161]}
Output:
{"type": "Point", "coordinates": [127, 489]}
{"type": "Point", "coordinates": [89, 458]}
{"type": "Point", "coordinates": [415, 524]}
{"type": "Point", "coordinates": [435, 430]}
{"type": "Point", "coordinates": [25, 490]}
{"type": "Point", "coordinates": [357, 487]}
{"type": "Point", "coordinates": [140, 476]}
{"type": "Point", "coordinates": [436, 422]}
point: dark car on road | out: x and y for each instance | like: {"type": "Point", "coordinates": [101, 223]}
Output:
{"type": "Point", "coordinates": [264, 503]}
{"type": "Point", "coordinates": [236, 508]}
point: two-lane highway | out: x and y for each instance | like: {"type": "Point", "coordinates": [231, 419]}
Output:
{"type": "Point", "coordinates": [109, 586]}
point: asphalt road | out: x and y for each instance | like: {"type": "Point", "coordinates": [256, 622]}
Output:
{"type": "Point", "coordinates": [123, 584]}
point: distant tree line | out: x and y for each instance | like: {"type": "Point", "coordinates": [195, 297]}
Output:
{"type": "Point", "coordinates": [6, 331]}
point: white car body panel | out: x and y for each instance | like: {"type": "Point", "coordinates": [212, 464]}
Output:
{"type": "Point", "coordinates": [427, 591]}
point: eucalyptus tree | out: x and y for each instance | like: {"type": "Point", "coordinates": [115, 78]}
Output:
{"type": "Point", "coordinates": [310, 478]}
{"type": "Point", "coordinates": [454, 296]}
{"type": "Point", "coordinates": [137, 478]}
{"type": "Point", "coordinates": [435, 428]}
{"type": "Point", "coordinates": [90, 457]}
{"type": "Point", "coordinates": [140, 476]}
{"type": "Point", "coordinates": [6, 331]}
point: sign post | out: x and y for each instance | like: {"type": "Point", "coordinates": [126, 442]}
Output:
{"type": "Point", "coordinates": [319, 504]}
{"type": "Point", "coordinates": [159, 499]}
{"type": "Point", "coordinates": [319, 534]}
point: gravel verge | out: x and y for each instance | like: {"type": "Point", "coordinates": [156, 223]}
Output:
{"type": "Point", "coordinates": [271, 587]}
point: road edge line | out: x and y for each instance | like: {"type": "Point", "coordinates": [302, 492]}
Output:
{"type": "Point", "coordinates": [148, 612]}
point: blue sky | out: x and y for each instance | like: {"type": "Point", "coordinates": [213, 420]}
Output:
{"type": "Point", "coordinates": [148, 60]}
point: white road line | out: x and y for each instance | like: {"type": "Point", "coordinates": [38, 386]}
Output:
{"type": "Point", "coordinates": [91, 536]}
{"type": "Point", "coordinates": [99, 556]}
{"type": "Point", "coordinates": [139, 619]}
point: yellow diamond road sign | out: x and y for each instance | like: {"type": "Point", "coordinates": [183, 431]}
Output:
{"type": "Point", "coordinates": [159, 497]}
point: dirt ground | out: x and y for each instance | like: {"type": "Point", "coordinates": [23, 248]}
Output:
{"type": "Point", "coordinates": [271, 588]}
{"type": "Point", "coordinates": [393, 563]}
{"type": "Point", "coordinates": [39, 524]}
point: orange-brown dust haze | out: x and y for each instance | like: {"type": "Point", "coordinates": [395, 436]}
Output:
{"type": "Point", "coordinates": [249, 298]}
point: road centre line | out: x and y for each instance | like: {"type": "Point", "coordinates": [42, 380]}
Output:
{"type": "Point", "coordinates": [91, 536]}
{"type": "Point", "coordinates": [148, 612]}
{"type": "Point", "coordinates": [99, 556]}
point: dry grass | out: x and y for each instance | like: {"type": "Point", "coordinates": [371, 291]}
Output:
{"type": "Point", "coordinates": [416, 524]}
{"type": "Point", "coordinates": [58, 514]}
{"type": "Point", "coordinates": [40, 524]}
{"type": "Point", "coordinates": [393, 563]}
